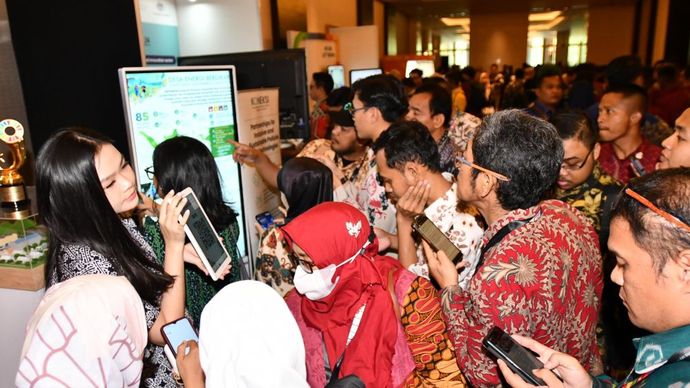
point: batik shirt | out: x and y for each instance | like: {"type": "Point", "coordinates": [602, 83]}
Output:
{"type": "Point", "coordinates": [542, 280]}
{"type": "Point", "coordinates": [462, 230]}
{"type": "Point", "coordinates": [321, 150]}
{"type": "Point", "coordinates": [621, 169]}
{"type": "Point", "coordinates": [652, 367]}
{"type": "Point", "coordinates": [460, 130]}
{"type": "Point", "coordinates": [318, 121]}
{"type": "Point", "coordinates": [273, 264]}
{"type": "Point", "coordinates": [76, 260]}
{"type": "Point", "coordinates": [367, 194]}
{"type": "Point", "coordinates": [594, 198]}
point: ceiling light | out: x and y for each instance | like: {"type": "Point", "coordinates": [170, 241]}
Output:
{"type": "Point", "coordinates": [452, 22]}
{"type": "Point", "coordinates": [543, 16]}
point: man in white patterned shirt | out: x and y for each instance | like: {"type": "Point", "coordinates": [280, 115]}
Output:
{"type": "Point", "coordinates": [408, 163]}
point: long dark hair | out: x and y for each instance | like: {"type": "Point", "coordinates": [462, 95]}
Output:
{"type": "Point", "coordinates": [183, 162]}
{"type": "Point", "coordinates": [76, 210]}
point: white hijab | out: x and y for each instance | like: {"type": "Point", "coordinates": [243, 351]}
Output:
{"type": "Point", "coordinates": [249, 338]}
{"type": "Point", "coordinates": [87, 331]}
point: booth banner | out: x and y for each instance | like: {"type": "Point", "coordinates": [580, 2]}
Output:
{"type": "Point", "coordinates": [259, 127]}
{"type": "Point", "coordinates": [159, 27]}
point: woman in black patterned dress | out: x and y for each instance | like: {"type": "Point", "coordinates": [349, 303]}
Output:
{"type": "Point", "coordinates": [85, 189]}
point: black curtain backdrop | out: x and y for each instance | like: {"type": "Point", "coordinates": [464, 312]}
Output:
{"type": "Point", "coordinates": [68, 53]}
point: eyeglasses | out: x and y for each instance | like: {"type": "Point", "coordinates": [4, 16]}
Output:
{"type": "Point", "coordinates": [149, 172]}
{"type": "Point", "coordinates": [350, 108]}
{"type": "Point", "coordinates": [670, 217]}
{"type": "Point", "coordinates": [461, 159]}
{"type": "Point", "coordinates": [296, 261]}
{"type": "Point", "coordinates": [575, 167]}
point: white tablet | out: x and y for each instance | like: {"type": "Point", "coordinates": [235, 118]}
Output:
{"type": "Point", "coordinates": [204, 237]}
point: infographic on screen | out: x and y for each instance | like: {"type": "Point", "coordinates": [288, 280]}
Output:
{"type": "Point", "coordinates": [162, 104]}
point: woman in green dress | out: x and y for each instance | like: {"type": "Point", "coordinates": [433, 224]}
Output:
{"type": "Point", "coordinates": [183, 162]}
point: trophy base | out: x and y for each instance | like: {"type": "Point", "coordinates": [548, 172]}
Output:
{"type": "Point", "coordinates": [13, 202]}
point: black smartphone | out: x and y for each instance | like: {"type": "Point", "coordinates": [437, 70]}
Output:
{"type": "Point", "coordinates": [175, 332]}
{"type": "Point", "coordinates": [433, 235]}
{"type": "Point", "coordinates": [519, 359]}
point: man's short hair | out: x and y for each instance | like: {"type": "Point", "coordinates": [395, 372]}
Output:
{"type": "Point", "coordinates": [323, 80]}
{"type": "Point", "coordinates": [574, 125]}
{"type": "Point", "coordinates": [669, 190]}
{"type": "Point", "coordinates": [668, 73]}
{"type": "Point", "coordinates": [383, 92]}
{"type": "Point", "coordinates": [418, 72]}
{"type": "Point", "coordinates": [547, 71]}
{"type": "Point", "coordinates": [624, 70]}
{"type": "Point", "coordinates": [440, 102]}
{"type": "Point", "coordinates": [630, 91]}
{"type": "Point", "coordinates": [525, 149]}
{"type": "Point", "coordinates": [519, 73]}
{"type": "Point", "coordinates": [339, 97]}
{"type": "Point", "coordinates": [408, 141]}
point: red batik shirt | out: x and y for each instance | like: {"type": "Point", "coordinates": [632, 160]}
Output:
{"type": "Point", "coordinates": [542, 280]}
{"type": "Point", "coordinates": [621, 169]}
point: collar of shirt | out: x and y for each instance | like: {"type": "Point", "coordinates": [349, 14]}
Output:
{"type": "Point", "coordinates": [513, 215]}
{"type": "Point", "coordinates": [653, 351]}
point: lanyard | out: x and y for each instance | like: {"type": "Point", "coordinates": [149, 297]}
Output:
{"type": "Point", "coordinates": [511, 226]}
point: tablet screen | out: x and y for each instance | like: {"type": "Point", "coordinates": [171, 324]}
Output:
{"type": "Point", "coordinates": [204, 234]}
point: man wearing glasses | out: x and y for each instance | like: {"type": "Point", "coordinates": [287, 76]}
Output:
{"type": "Point", "coordinates": [650, 237]}
{"type": "Point", "coordinates": [540, 269]}
{"type": "Point", "coordinates": [585, 186]}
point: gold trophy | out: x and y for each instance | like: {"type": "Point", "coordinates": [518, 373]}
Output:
{"type": "Point", "coordinates": [13, 201]}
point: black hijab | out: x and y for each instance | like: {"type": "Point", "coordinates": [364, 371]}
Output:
{"type": "Point", "coordinates": [305, 183]}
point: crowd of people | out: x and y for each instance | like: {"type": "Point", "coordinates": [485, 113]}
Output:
{"type": "Point", "coordinates": [566, 194]}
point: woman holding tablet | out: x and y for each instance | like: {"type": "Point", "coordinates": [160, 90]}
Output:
{"type": "Point", "coordinates": [86, 191]}
{"type": "Point", "coordinates": [183, 162]}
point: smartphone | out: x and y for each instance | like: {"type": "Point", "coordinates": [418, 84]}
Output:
{"type": "Point", "coordinates": [204, 237]}
{"type": "Point", "coordinates": [175, 332]}
{"type": "Point", "coordinates": [637, 167]}
{"type": "Point", "coordinates": [433, 235]}
{"type": "Point", "coordinates": [265, 219]}
{"type": "Point", "coordinates": [519, 359]}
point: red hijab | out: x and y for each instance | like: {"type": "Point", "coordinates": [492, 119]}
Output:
{"type": "Point", "coordinates": [330, 233]}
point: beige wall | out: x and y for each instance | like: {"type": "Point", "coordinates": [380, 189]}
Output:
{"type": "Point", "coordinates": [610, 32]}
{"type": "Point", "coordinates": [498, 38]}
{"type": "Point", "coordinates": [379, 20]}
{"type": "Point", "coordinates": [322, 14]}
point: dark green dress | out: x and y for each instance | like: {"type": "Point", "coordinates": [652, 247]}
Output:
{"type": "Point", "coordinates": [199, 287]}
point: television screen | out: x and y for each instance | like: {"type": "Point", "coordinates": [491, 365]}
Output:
{"type": "Point", "coordinates": [425, 65]}
{"type": "Point", "coordinates": [199, 102]}
{"type": "Point", "coordinates": [357, 74]}
{"type": "Point", "coordinates": [337, 72]}
{"type": "Point", "coordinates": [284, 69]}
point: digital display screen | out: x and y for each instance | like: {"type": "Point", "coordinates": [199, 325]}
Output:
{"type": "Point", "coordinates": [337, 72]}
{"type": "Point", "coordinates": [356, 75]}
{"type": "Point", "coordinates": [204, 234]}
{"type": "Point", "coordinates": [199, 102]}
{"type": "Point", "coordinates": [178, 331]}
{"type": "Point", "coordinates": [425, 65]}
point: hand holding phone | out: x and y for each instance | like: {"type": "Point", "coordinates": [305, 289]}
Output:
{"type": "Point", "coordinates": [178, 331]}
{"type": "Point", "coordinates": [519, 359]}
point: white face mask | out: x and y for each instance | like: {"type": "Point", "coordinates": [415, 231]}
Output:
{"type": "Point", "coordinates": [318, 285]}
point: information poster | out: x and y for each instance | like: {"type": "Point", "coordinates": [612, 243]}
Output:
{"type": "Point", "coordinates": [259, 127]}
{"type": "Point", "coordinates": [178, 102]}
